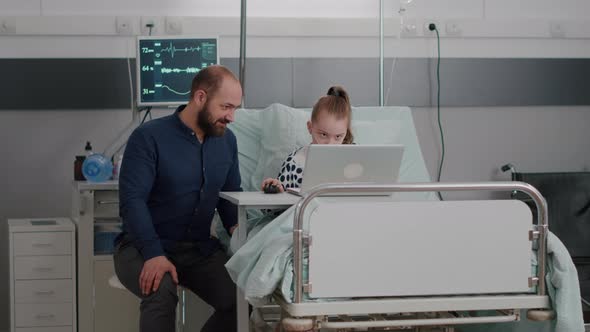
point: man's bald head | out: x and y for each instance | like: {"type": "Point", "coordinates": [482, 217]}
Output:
{"type": "Point", "coordinates": [209, 79]}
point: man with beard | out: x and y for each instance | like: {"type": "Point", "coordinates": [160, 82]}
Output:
{"type": "Point", "coordinates": [172, 172]}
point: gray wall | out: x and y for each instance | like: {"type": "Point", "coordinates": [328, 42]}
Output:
{"type": "Point", "coordinates": [104, 83]}
{"type": "Point", "coordinates": [413, 82]}
{"type": "Point", "coordinates": [481, 139]}
{"type": "Point", "coordinates": [38, 147]}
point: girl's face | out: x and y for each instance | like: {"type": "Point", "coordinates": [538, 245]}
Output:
{"type": "Point", "coordinates": [327, 129]}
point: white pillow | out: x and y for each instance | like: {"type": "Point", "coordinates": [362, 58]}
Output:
{"type": "Point", "coordinates": [247, 129]}
{"type": "Point", "coordinates": [283, 129]}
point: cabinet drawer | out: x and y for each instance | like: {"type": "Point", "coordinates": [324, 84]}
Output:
{"type": "Point", "coordinates": [43, 267]}
{"type": "Point", "coordinates": [49, 314]}
{"type": "Point", "coordinates": [46, 329]}
{"type": "Point", "coordinates": [43, 291]}
{"type": "Point", "coordinates": [106, 204]}
{"type": "Point", "coordinates": [50, 243]}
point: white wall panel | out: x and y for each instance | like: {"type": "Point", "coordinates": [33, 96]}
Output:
{"type": "Point", "coordinates": [444, 9]}
{"type": "Point", "coordinates": [142, 7]}
{"type": "Point", "coordinates": [548, 9]}
{"type": "Point", "coordinates": [19, 7]}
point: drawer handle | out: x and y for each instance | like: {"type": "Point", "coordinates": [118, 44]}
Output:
{"type": "Point", "coordinates": [45, 293]}
{"type": "Point", "coordinates": [45, 316]}
{"type": "Point", "coordinates": [42, 245]}
{"type": "Point", "coordinates": [43, 268]}
{"type": "Point", "coordinates": [114, 201]}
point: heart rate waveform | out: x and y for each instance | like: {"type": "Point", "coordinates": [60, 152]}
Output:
{"type": "Point", "coordinates": [167, 67]}
{"type": "Point", "coordinates": [172, 49]}
{"type": "Point", "coordinates": [188, 70]}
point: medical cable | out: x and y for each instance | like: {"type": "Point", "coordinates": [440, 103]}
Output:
{"type": "Point", "coordinates": [130, 83]}
{"type": "Point", "coordinates": [393, 62]}
{"type": "Point", "coordinates": [432, 27]}
{"type": "Point", "coordinates": [148, 111]}
{"type": "Point", "coordinates": [401, 12]}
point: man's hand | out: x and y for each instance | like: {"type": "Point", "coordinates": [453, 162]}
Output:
{"type": "Point", "coordinates": [152, 273]}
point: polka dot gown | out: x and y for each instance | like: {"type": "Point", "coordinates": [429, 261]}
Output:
{"type": "Point", "coordinates": [291, 173]}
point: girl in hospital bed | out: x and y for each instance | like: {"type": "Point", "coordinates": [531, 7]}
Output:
{"type": "Point", "coordinates": [329, 124]}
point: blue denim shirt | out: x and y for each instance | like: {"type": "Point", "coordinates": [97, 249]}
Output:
{"type": "Point", "coordinates": [169, 186]}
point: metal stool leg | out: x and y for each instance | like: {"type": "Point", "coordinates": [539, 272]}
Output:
{"type": "Point", "coordinates": [180, 309]}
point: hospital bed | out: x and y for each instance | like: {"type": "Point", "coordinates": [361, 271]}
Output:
{"type": "Point", "coordinates": [434, 262]}
{"type": "Point", "coordinates": [423, 262]}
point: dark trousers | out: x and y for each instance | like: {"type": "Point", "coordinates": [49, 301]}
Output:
{"type": "Point", "coordinates": [205, 276]}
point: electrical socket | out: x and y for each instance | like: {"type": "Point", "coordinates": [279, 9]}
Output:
{"type": "Point", "coordinates": [156, 22]}
{"type": "Point", "coordinates": [7, 25]}
{"type": "Point", "coordinates": [557, 29]}
{"type": "Point", "coordinates": [409, 28]}
{"type": "Point", "coordinates": [124, 26]}
{"type": "Point", "coordinates": [453, 29]}
{"type": "Point", "coordinates": [426, 31]}
{"type": "Point", "coordinates": [173, 25]}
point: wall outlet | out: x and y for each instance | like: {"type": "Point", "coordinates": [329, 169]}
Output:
{"type": "Point", "coordinates": [557, 29]}
{"type": "Point", "coordinates": [173, 25]}
{"type": "Point", "coordinates": [7, 25]}
{"type": "Point", "coordinates": [453, 29]}
{"type": "Point", "coordinates": [426, 30]}
{"type": "Point", "coordinates": [156, 22]}
{"type": "Point", "coordinates": [124, 26]}
{"type": "Point", "coordinates": [409, 28]}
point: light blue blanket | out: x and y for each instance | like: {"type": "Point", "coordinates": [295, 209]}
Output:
{"type": "Point", "coordinates": [265, 262]}
{"type": "Point", "coordinates": [564, 292]}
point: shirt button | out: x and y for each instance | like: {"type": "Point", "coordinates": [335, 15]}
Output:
{"type": "Point", "coordinates": [192, 134]}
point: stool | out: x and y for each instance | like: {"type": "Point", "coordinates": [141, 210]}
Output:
{"type": "Point", "coordinates": [180, 307]}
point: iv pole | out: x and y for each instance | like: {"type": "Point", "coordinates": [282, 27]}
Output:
{"type": "Point", "coordinates": [381, 52]}
{"type": "Point", "coordinates": [243, 51]}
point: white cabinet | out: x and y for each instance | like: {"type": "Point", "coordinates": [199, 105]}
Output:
{"type": "Point", "coordinates": [101, 308]}
{"type": "Point", "coordinates": [42, 275]}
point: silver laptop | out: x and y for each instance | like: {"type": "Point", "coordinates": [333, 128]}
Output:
{"type": "Point", "coordinates": [330, 163]}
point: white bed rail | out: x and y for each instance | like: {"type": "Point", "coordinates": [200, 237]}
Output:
{"type": "Point", "coordinates": [541, 233]}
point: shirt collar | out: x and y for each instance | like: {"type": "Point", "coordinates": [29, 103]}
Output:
{"type": "Point", "coordinates": [183, 127]}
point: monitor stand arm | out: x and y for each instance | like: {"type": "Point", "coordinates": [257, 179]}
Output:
{"type": "Point", "coordinates": [121, 140]}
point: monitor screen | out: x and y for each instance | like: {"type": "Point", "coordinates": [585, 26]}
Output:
{"type": "Point", "coordinates": [167, 65]}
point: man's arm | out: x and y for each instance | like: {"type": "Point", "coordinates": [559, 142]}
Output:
{"type": "Point", "coordinates": [138, 173]}
{"type": "Point", "coordinates": [228, 211]}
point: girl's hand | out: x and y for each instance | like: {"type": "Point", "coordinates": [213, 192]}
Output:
{"type": "Point", "coordinates": [271, 181]}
